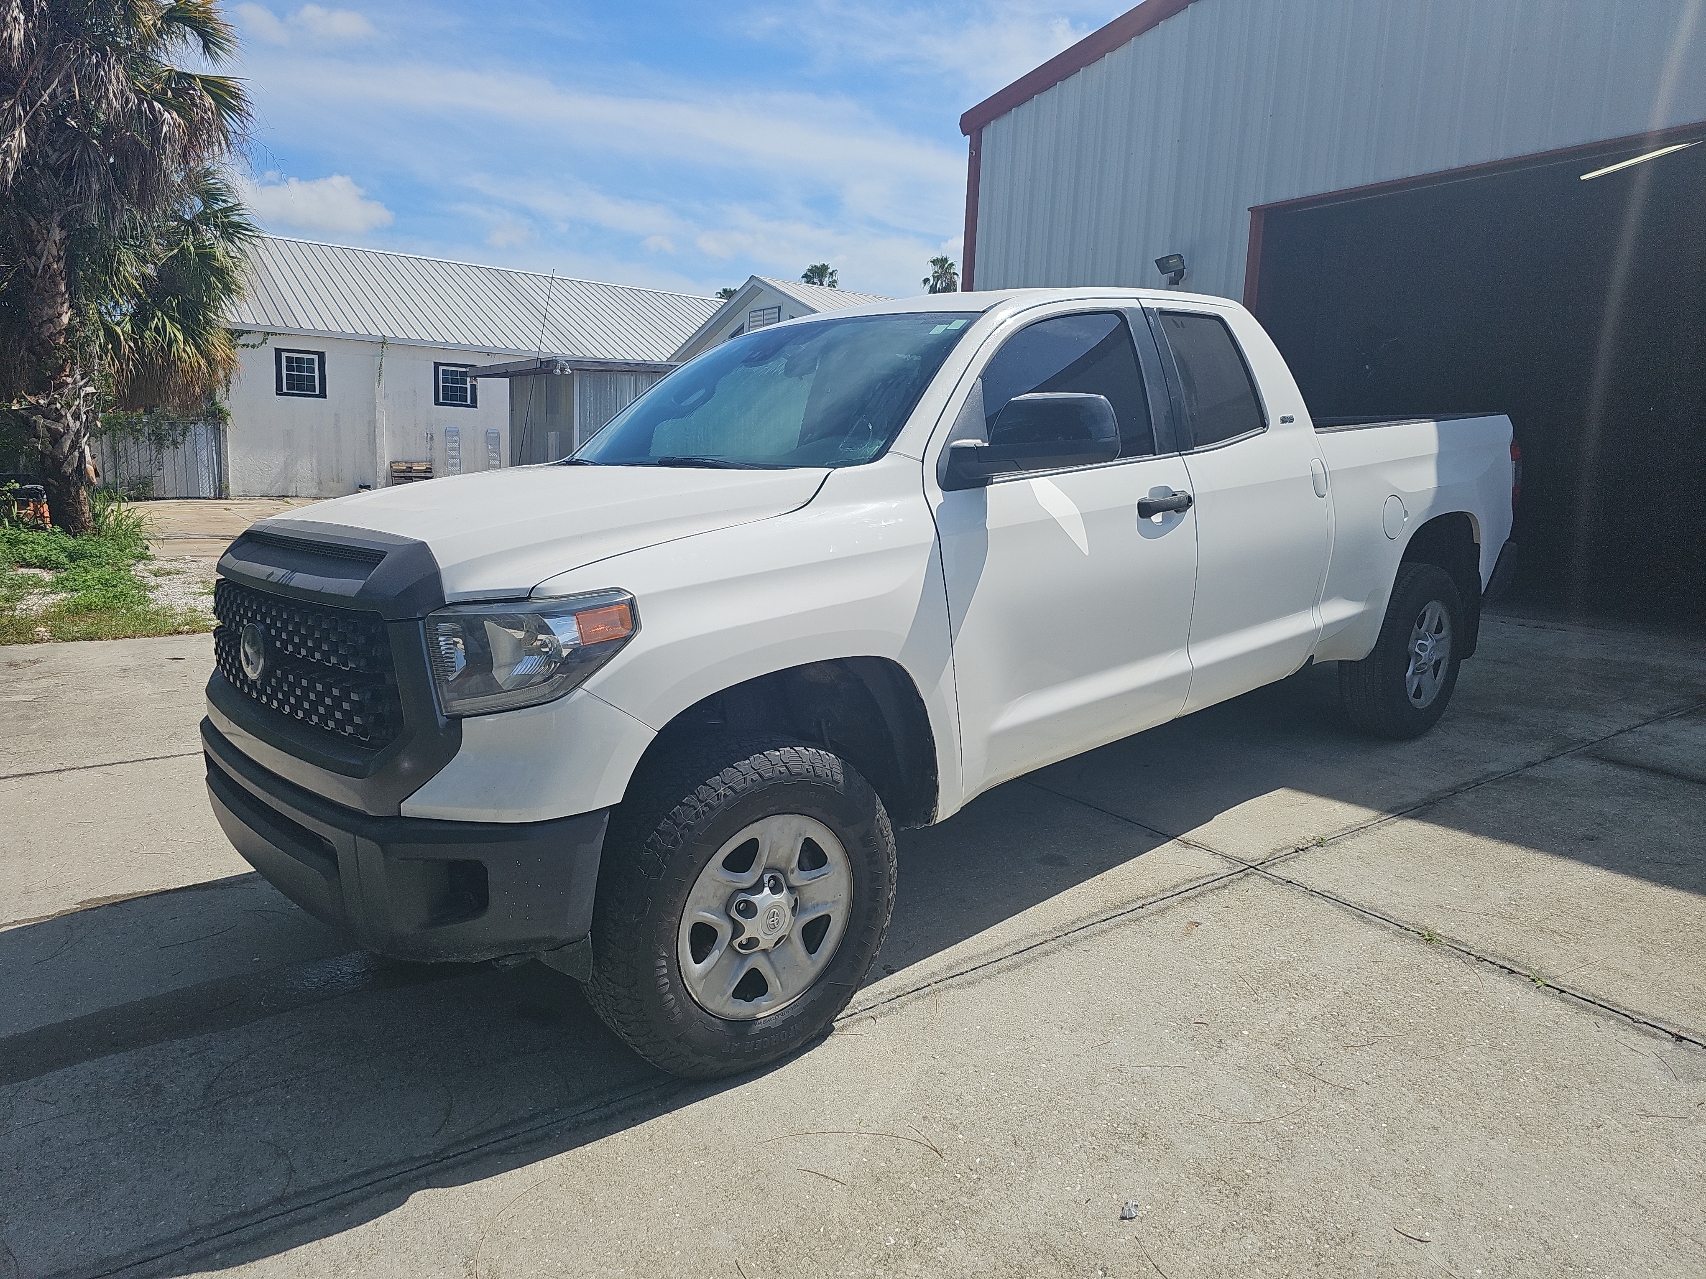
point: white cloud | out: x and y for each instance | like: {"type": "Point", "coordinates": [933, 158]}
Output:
{"type": "Point", "coordinates": [508, 235]}
{"type": "Point", "coordinates": [333, 204]}
{"type": "Point", "coordinates": [326, 25]}
{"type": "Point", "coordinates": [335, 24]}
{"type": "Point", "coordinates": [580, 202]}
{"type": "Point", "coordinates": [262, 24]}
{"type": "Point", "coordinates": [796, 140]}
{"type": "Point", "coordinates": [781, 247]}
{"type": "Point", "coordinates": [658, 244]}
{"type": "Point", "coordinates": [1002, 43]}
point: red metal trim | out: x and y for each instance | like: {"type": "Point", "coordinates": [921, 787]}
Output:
{"type": "Point", "coordinates": [1491, 168]}
{"type": "Point", "coordinates": [1253, 259]}
{"type": "Point", "coordinates": [974, 176]}
{"type": "Point", "coordinates": [1092, 48]}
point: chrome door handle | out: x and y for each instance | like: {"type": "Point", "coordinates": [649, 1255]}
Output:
{"type": "Point", "coordinates": [1149, 507]}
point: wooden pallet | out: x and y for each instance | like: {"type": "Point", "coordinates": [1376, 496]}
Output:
{"type": "Point", "coordinates": [409, 472]}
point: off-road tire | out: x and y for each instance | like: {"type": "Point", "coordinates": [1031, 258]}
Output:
{"type": "Point", "coordinates": [663, 835]}
{"type": "Point", "coordinates": [1372, 691]}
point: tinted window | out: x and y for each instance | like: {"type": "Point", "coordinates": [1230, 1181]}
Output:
{"type": "Point", "coordinates": [1219, 393]}
{"type": "Point", "coordinates": [827, 393]}
{"type": "Point", "coordinates": [1090, 354]}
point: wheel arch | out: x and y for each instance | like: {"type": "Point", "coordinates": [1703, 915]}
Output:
{"type": "Point", "coordinates": [867, 710]}
{"type": "Point", "coordinates": [1451, 541]}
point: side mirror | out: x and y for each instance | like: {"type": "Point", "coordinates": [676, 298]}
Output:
{"type": "Point", "coordinates": [1041, 432]}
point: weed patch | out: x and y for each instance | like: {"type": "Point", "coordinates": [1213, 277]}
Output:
{"type": "Point", "coordinates": [86, 587]}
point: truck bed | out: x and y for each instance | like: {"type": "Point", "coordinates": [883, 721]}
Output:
{"type": "Point", "coordinates": [1386, 484]}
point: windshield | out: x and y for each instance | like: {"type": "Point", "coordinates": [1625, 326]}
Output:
{"type": "Point", "coordinates": [829, 393]}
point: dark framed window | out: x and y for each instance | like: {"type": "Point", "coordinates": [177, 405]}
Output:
{"type": "Point", "coordinates": [300, 373]}
{"type": "Point", "coordinates": [1091, 354]}
{"type": "Point", "coordinates": [453, 388]}
{"type": "Point", "coordinates": [762, 317]}
{"type": "Point", "coordinates": [1220, 395]}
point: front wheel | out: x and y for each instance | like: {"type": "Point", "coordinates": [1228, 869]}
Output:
{"type": "Point", "coordinates": [742, 898]}
{"type": "Point", "coordinates": [1402, 688]}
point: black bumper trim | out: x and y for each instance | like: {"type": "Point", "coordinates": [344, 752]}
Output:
{"type": "Point", "coordinates": [412, 887]}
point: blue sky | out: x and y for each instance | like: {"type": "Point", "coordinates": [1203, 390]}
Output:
{"type": "Point", "coordinates": [675, 145]}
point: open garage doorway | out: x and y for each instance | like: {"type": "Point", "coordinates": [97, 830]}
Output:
{"type": "Point", "coordinates": [1578, 307]}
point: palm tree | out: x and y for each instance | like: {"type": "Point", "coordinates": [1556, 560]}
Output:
{"type": "Point", "coordinates": [166, 285]}
{"type": "Point", "coordinates": [821, 273]}
{"type": "Point", "coordinates": [103, 137]}
{"type": "Point", "coordinates": [944, 277]}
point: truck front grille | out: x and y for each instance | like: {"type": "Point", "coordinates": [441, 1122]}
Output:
{"type": "Point", "coordinates": [329, 668]}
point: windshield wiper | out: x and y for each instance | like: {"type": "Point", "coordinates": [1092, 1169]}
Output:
{"type": "Point", "coordinates": [714, 463]}
{"type": "Point", "coordinates": [574, 461]}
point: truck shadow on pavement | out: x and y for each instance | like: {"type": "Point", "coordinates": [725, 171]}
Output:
{"type": "Point", "coordinates": [208, 1076]}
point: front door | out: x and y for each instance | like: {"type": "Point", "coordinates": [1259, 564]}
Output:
{"type": "Point", "coordinates": [1070, 612]}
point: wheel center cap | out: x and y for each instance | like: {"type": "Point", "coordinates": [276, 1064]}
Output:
{"type": "Point", "coordinates": [765, 913]}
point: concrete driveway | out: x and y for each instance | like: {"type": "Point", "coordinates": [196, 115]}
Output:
{"type": "Point", "coordinates": [201, 528]}
{"type": "Point", "coordinates": [1313, 1005]}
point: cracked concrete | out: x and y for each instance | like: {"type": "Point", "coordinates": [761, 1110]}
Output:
{"type": "Point", "coordinates": [1317, 1006]}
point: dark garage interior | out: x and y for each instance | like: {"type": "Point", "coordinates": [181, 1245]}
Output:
{"type": "Point", "coordinates": [1578, 307]}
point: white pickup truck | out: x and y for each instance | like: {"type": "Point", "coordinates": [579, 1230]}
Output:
{"type": "Point", "coordinates": [653, 713]}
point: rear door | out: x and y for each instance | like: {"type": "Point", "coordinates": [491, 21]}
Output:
{"type": "Point", "coordinates": [1262, 527]}
{"type": "Point", "coordinates": [1070, 612]}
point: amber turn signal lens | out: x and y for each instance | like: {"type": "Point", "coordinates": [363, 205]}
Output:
{"type": "Point", "coordinates": [613, 622]}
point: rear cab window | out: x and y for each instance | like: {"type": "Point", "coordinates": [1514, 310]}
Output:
{"type": "Point", "coordinates": [1221, 400]}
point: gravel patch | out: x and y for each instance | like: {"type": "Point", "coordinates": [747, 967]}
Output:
{"type": "Point", "coordinates": [180, 581]}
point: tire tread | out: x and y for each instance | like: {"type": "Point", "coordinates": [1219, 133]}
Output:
{"type": "Point", "coordinates": [1373, 702]}
{"type": "Point", "coordinates": [680, 794]}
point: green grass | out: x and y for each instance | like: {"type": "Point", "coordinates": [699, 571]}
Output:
{"type": "Point", "coordinates": [99, 595]}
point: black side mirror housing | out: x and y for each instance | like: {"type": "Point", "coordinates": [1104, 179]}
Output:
{"type": "Point", "coordinates": [1041, 432]}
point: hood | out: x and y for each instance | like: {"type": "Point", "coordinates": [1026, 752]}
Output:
{"type": "Point", "coordinates": [497, 534]}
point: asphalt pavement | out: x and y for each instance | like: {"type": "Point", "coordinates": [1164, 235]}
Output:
{"type": "Point", "coordinates": [1308, 1004]}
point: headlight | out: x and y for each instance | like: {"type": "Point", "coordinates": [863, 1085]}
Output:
{"type": "Point", "coordinates": [491, 657]}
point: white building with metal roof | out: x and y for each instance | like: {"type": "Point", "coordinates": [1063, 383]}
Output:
{"type": "Point", "coordinates": [356, 366]}
{"type": "Point", "coordinates": [763, 301]}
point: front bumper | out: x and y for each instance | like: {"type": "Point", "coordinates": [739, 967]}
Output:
{"type": "Point", "coordinates": [414, 888]}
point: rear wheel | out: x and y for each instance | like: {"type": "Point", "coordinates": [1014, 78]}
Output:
{"type": "Point", "coordinates": [1402, 688]}
{"type": "Point", "coordinates": [743, 896]}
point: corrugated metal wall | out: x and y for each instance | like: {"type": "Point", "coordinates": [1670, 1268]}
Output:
{"type": "Point", "coordinates": [550, 417]}
{"type": "Point", "coordinates": [1165, 144]}
{"type": "Point", "coordinates": [601, 396]}
{"type": "Point", "coordinates": [541, 412]}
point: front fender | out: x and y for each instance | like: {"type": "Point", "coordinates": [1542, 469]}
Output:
{"type": "Point", "coordinates": [856, 573]}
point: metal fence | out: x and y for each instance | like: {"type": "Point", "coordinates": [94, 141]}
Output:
{"type": "Point", "coordinates": [195, 468]}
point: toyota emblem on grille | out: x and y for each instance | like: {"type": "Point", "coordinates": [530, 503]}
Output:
{"type": "Point", "coordinates": [254, 650]}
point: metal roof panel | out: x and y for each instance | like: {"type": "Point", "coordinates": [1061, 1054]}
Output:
{"type": "Point", "coordinates": [305, 287]}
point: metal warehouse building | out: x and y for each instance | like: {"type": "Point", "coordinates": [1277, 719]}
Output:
{"type": "Point", "coordinates": [1431, 205]}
